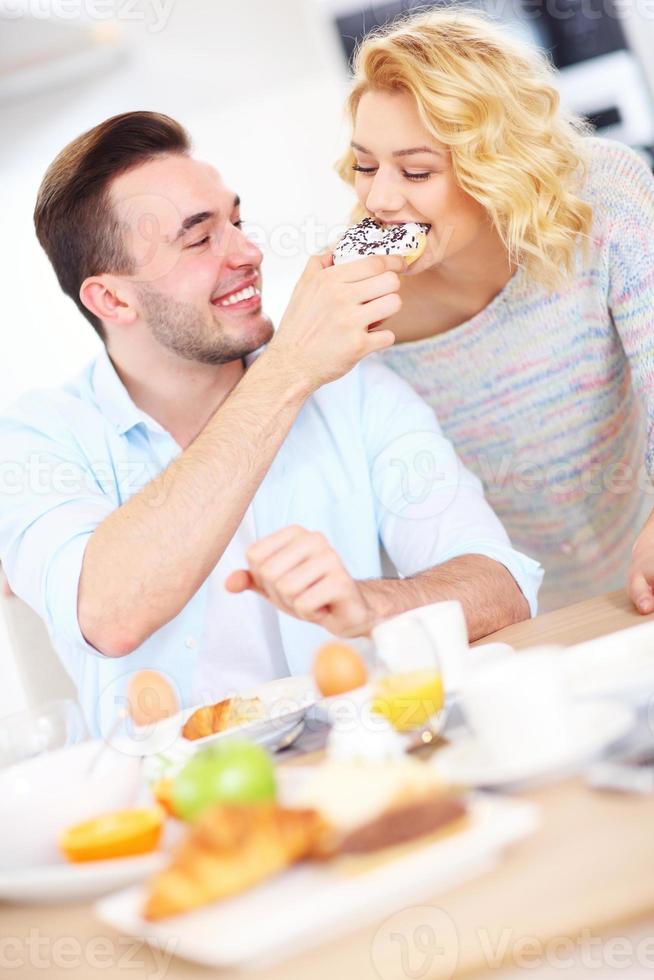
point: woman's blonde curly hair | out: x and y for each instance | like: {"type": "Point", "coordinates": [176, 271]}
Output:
{"type": "Point", "coordinates": [491, 100]}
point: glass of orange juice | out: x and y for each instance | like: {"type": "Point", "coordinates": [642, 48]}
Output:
{"type": "Point", "coordinates": [408, 687]}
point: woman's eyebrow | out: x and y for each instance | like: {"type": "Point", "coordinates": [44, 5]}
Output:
{"type": "Point", "coordinates": [417, 149]}
{"type": "Point", "coordinates": [399, 153]}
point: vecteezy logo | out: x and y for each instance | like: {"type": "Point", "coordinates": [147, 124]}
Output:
{"type": "Point", "coordinates": [137, 721]}
{"type": "Point", "coordinates": [414, 943]}
{"type": "Point", "coordinates": [416, 476]}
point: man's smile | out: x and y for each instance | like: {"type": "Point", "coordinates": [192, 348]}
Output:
{"type": "Point", "coordinates": [244, 295]}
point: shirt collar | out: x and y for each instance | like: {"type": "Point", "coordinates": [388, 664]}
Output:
{"type": "Point", "coordinates": [113, 399]}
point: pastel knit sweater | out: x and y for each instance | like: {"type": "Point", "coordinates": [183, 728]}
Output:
{"type": "Point", "coordinates": [549, 397]}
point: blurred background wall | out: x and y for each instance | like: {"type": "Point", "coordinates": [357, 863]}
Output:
{"type": "Point", "coordinates": [260, 86]}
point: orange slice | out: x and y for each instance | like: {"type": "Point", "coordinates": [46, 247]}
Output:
{"type": "Point", "coordinates": [162, 791]}
{"type": "Point", "coordinates": [113, 835]}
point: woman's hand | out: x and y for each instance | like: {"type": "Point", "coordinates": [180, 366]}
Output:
{"type": "Point", "coordinates": [301, 574]}
{"type": "Point", "coordinates": [641, 569]}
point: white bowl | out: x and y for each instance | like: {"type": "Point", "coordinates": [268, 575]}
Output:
{"type": "Point", "coordinates": [44, 795]}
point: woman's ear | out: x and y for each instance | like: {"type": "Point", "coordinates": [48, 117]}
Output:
{"type": "Point", "coordinates": [108, 299]}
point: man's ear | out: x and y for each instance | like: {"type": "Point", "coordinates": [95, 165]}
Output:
{"type": "Point", "coordinates": [109, 299]}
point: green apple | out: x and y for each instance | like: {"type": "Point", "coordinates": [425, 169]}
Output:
{"type": "Point", "coordinates": [234, 771]}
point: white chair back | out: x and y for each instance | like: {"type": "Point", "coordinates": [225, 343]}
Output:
{"type": "Point", "coordinates": [39, 669]}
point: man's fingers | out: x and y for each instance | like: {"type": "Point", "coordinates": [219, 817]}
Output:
{"type": "Point", "coordinates": [262, 549]}
{"type": "Point", "coordinates": [294, 554]}
{"type": "Point", "coordinates": [379, 309]}
{"type": "Point", "coordinates": [367, 268]}
{"type": "Point", "coordinates": [318, 262]}
{"type": "Point", "coordinates": [641, 594]}
{"type": "Point", "coordinates": [240, 581]}
{"type": "Point", "coordinates": [373, 288]}
{"type": "Point", "coordinates": [380, 340]}
{"type": "Point", "coordinates": [305, 575]}
{"type": "Point", "coordinates": [328, 590]}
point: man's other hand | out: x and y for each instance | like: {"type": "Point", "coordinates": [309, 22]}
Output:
{"type": "Point", "coordinates": [301, 574]}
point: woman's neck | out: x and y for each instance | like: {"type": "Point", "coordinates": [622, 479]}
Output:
{"type": "Point", "coordinates": [475, 275]}
{"type": "Point", "coordinates": [452, 292]}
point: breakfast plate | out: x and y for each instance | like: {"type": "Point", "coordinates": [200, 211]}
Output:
{"type": "Point", "coordinates": [286, 702]}
{"type": "Point", "coordinates": [315, 902]}
{"type": "Point", "coordinates": [597, 724]}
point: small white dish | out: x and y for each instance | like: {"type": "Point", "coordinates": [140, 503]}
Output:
{"type": "Point", "coordinates": [272, 733]}
{"type": "Point", "coordinates": [288, 700]}
{"type": "Point", "coordinates": [65, 882]}
{"type": "Point", "coordinates": [596, 724]}
{"type": "Point", "coordinates": [42, 796]}
{"type": "Point", "coordinates": [616, 665]}
{"type": "Point", "coordinates": [488, 653]}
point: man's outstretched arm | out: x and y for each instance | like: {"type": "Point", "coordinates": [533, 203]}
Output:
{"type": "Point", "coordinates": [490, 596]}
{"type": "Point", "coordinates": [302, 575]}
{"type": "Point", "coordinates": [147, 559]}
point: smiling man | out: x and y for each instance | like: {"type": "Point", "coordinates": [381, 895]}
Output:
{"type": "Point", "coordinates": [178, 461]}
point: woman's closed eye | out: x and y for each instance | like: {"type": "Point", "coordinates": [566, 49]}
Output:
{"type": "Point", "coordinates": [368, 171]}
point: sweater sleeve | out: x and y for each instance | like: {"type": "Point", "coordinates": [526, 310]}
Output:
{"type": "Point", "coordinates": [630, 258]}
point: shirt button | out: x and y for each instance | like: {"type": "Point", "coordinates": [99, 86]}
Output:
{"type": "Point", "coordinates": [189, 642]}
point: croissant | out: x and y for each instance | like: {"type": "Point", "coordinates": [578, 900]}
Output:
{"type": "Point", "coordinates": [225, 714]}
{"type": "Point", "coordinates": [228, 850]}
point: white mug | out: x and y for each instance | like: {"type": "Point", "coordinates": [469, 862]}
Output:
{"type": "Point", "coordinates": [520, 708]}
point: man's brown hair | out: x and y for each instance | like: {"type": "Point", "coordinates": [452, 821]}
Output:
{"type": "Point", "coordinates": [74, 218]}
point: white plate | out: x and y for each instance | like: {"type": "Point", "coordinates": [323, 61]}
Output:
{"type": "Point", "coordinates": [619, 664]}
{"type": "Point", "coordinates": [313, 903]}
{"type": "Point", "coordinates": [598, 723]}
{"type": "Point", "coordinates": [65, 881]}
{"type": "Point", "coordinates": [273, 733]}
{"type": "Point", "coordinates": [287, 699]}
{"type": "Point", "coordinates": [75, 882]}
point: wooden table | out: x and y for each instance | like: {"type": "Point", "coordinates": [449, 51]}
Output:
{"type": "Point", "coordinates": [588, 869]}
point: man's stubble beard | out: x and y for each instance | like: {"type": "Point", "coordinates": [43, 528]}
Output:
{"type": "Point", "coordinates": [181, 328]}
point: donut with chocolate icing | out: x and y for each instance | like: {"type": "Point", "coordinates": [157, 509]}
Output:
{"type": "Point", "coordinates": [369, 238]}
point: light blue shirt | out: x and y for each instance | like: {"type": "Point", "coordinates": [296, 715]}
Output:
{"type": "Point", "coordinates": [365, 463]}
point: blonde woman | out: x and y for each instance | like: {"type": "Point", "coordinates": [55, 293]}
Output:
{"type": "Point", "coordinates": [528, 324]}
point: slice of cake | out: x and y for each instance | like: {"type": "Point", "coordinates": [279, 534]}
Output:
{"type": "Point", "coordinates": [368, 807]}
